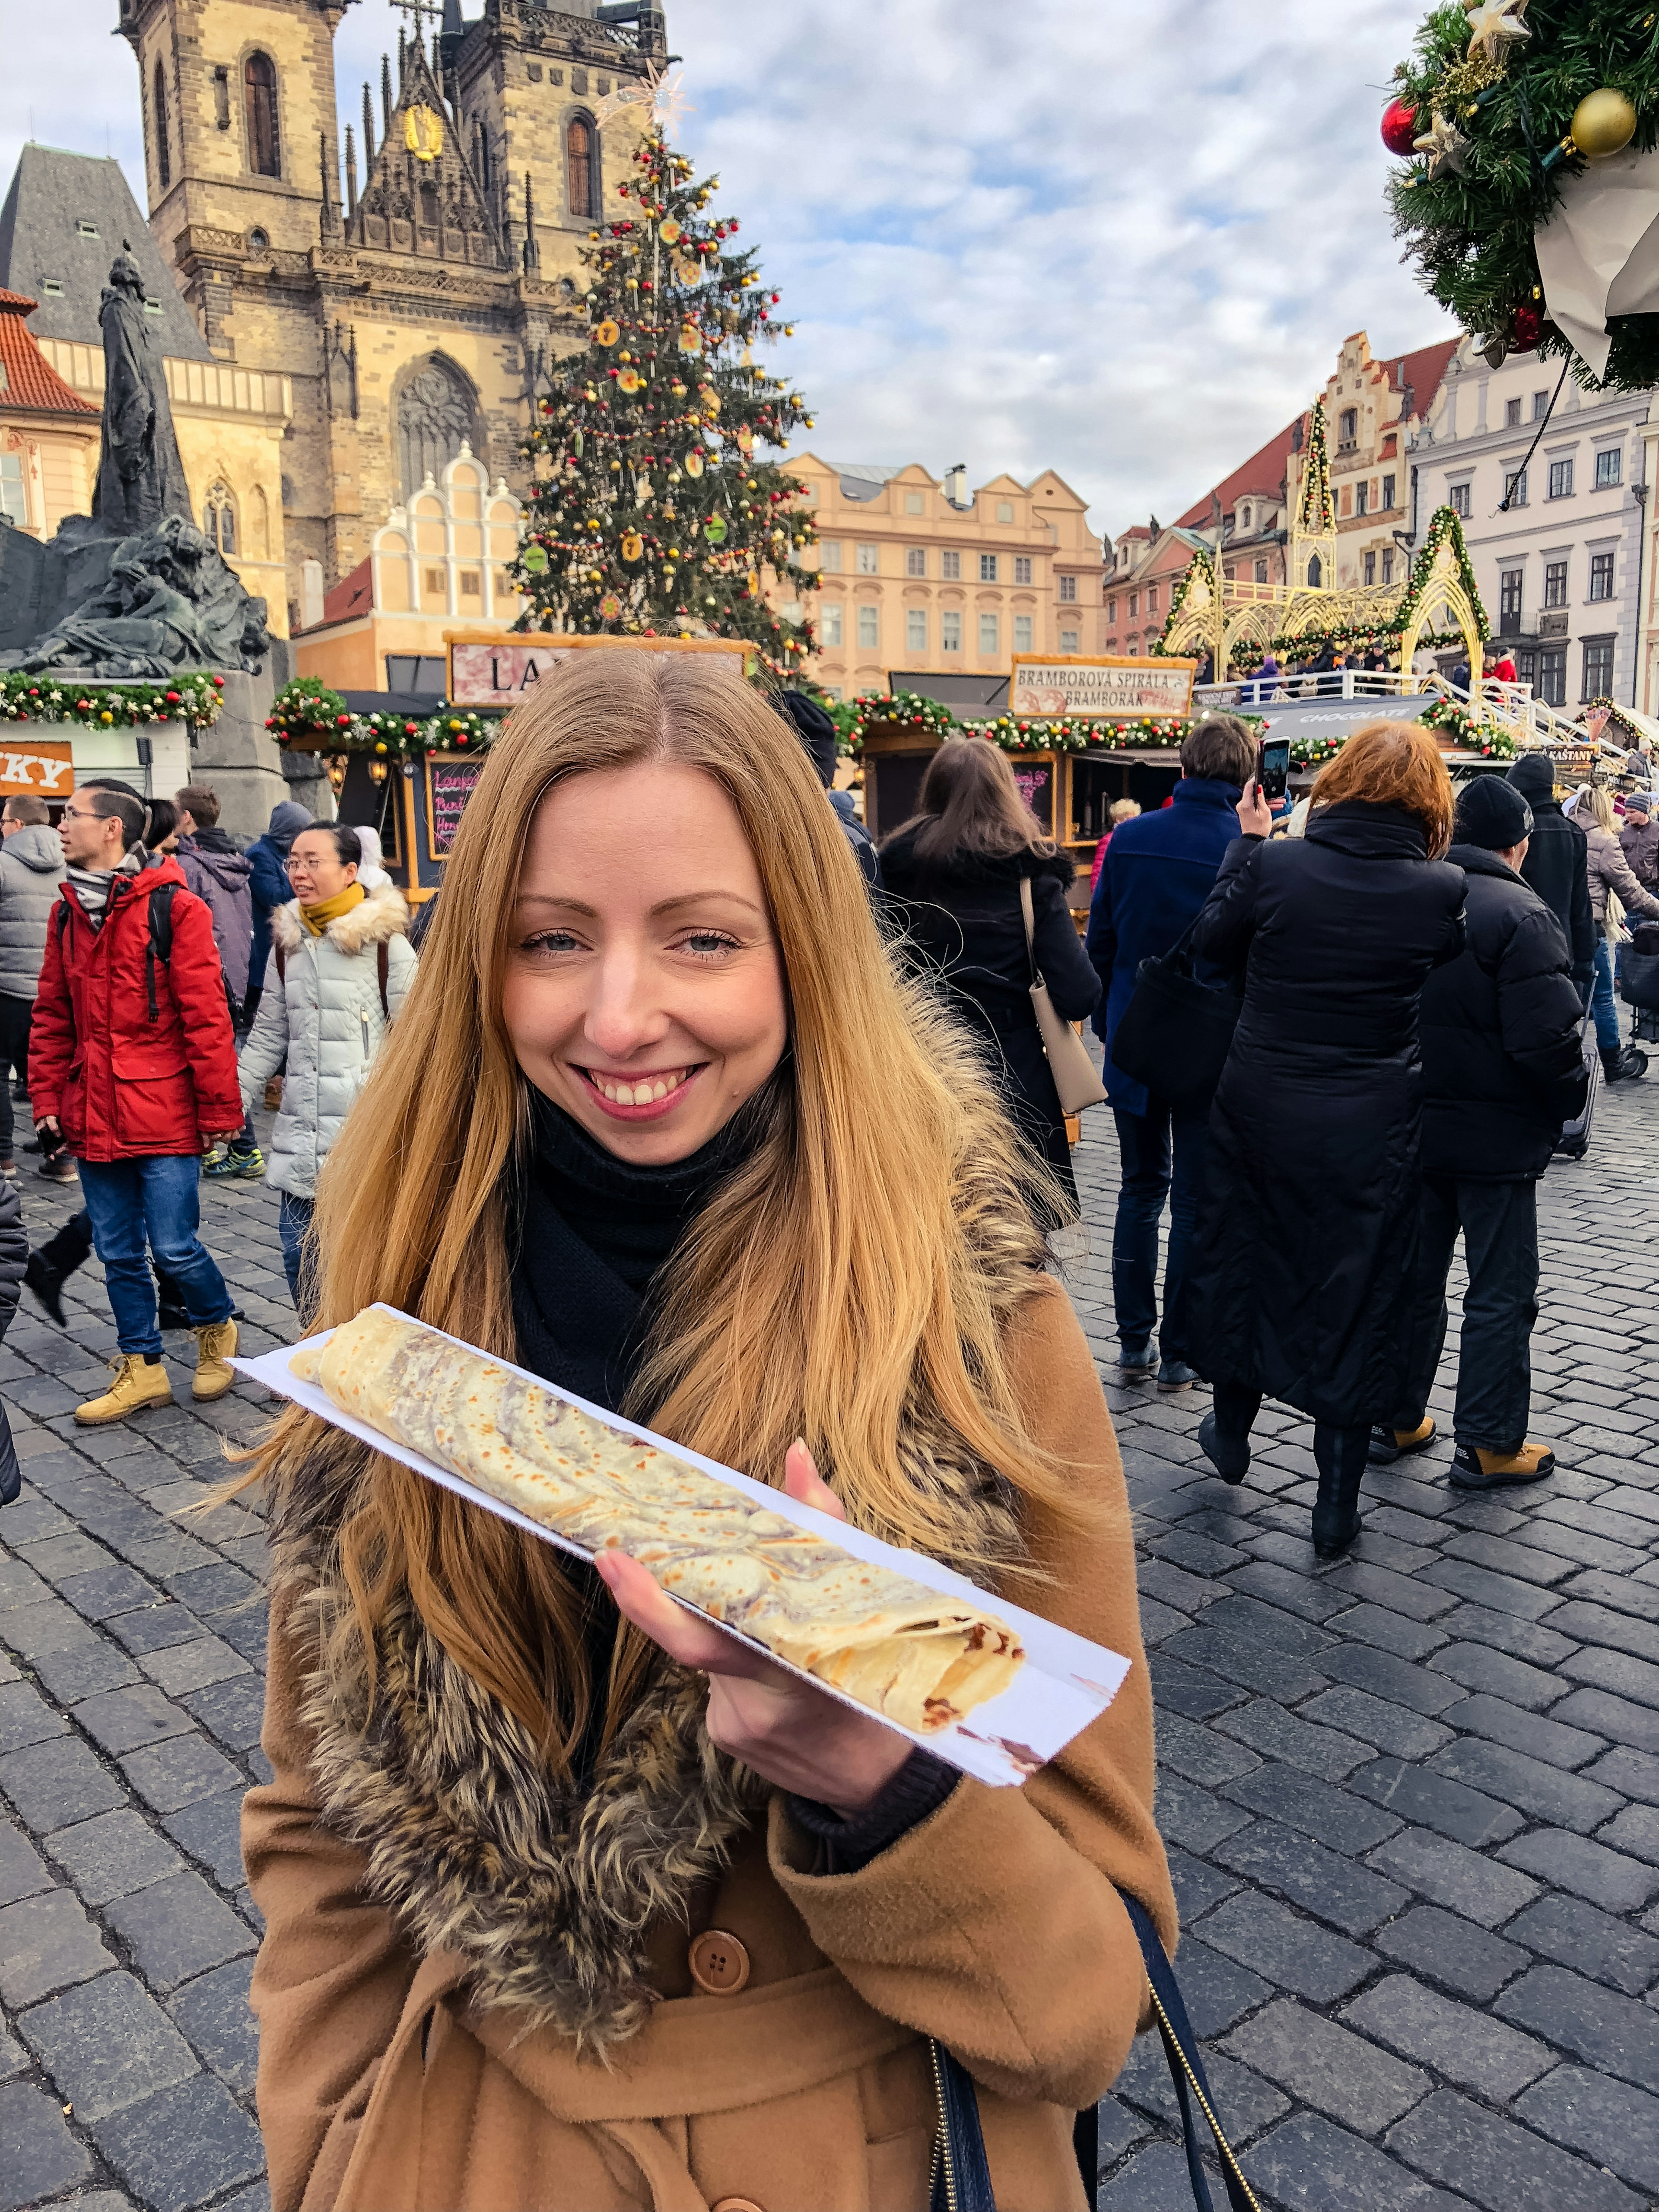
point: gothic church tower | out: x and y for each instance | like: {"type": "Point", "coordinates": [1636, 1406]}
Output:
{"type": "Point", "coordinates": [411, 270]}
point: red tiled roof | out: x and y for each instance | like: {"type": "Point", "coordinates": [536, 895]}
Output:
{"type": "Point", "coordinates": [30, 381]}
{"type": "Point", "coordinates": [1422, 371]}
{"type": "Point", "coordinates": [1268, 467]}
{"type": "Point", "coordinates": [352, 595]}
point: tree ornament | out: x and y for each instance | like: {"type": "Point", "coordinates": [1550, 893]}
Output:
{"type": "Point", "coordinates": [630, 381]}
{"type": "Point", "coordinates": [607, 333]}
{"type": "Point", "coordinates": [1399, 127]}
{"type": "Point", "coordinates": [690, 338]}
{"type": "Point", "coordinates": [694, 463]}
{"type": "Point", "coordinates": [669, 232]}
{"type": "Point", "coordinates": [1494, 26]}
{"type": "Point", "coordinates": [633, 546]}
{"type": "Point", "coordinates": [1526, 328]}
{"type": "Point", "coordinates": [688, 270]}
{"type": "Point", "coordinates": [610, 605]}
{"type": "Point", "coordinates": [1443, 147]}
{"type": "Point", "coordinates": [1603, 123]}
{"type": "Point", "coordinates": [715, 529]}
{"type": "Point", "coordinates": [533, 560]}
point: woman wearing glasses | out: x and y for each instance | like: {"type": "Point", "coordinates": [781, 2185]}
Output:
{"type": "Point", "coordinates": [343, 965]}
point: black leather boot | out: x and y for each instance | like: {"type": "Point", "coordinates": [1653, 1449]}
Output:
{"type": "Point", "coordinates": [1340, 1456]}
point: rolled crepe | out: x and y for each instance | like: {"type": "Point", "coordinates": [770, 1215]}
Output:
{"type": "Point", "coordinates": [906, 1652]}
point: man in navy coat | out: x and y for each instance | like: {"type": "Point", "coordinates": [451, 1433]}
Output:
{"type": "Point", "coordinates": [1157, 873]}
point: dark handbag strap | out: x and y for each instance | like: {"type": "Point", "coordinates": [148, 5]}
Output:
{"type": "Point", "coordinates": [961, 2177]}
{"type": "Point", "coordinates": [1029, 917]}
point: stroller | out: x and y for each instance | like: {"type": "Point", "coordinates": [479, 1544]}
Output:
{"type": "Point", "coordinates": [1638, 982]}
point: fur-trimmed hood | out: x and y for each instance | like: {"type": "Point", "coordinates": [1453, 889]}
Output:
{"type": "Point", "coordinates": [382, 915]}
{"type": "Point", "coordinates": [903, 869]}
{"type": "Point", "coordinates": [551, 1894]}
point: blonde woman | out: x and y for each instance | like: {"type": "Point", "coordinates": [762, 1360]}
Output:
{"type": "Point", "coordinates": [570, 1902]}
{"type": "Point", "coordinates": [1613, 892]}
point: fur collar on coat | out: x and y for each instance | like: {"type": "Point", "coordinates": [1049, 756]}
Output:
{"type": "Point", "coordinates": [548, 1894]}
{"type": "Point", "coordinates": [379, 917]}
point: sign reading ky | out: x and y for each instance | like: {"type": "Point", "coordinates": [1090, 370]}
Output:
{"type": "Point", "coordinates": [42, 767]}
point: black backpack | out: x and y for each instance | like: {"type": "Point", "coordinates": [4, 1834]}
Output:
{"type": "Point", "coordinates": [161, 936]}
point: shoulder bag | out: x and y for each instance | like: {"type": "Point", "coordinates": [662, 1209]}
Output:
{"type": "Point", "coordinates": [1176, 1032]}
{"type": "Point", "coordinates": [961, 2178]}
{"type": "Point", "coordinates": [1076, 1079]}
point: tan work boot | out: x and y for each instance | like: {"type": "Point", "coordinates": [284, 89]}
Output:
{"type": "Point", "coordinates": [139, 1382]}
{"type": "Point", "coordinates": [1388, 1445]}
{"type": "Point", "coordinates": [1472, 1469]}
{"type": "Point", "coordinates": [214, 1373]}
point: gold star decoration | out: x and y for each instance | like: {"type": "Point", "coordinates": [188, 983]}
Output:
{"type": "Point", "coordinates": [1493, 24]}
{"type": "Point", "coordinates": [1444, 147]}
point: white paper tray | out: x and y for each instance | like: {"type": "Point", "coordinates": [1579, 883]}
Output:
{"type": "Point", "coordinates": [1066, 1681]}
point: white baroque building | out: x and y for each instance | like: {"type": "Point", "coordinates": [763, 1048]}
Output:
{"type": "Point", "coordinates": [1561, 570]}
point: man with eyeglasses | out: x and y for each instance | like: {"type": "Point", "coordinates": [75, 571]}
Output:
{"type": "Point", "coordinates": [133, 1068]}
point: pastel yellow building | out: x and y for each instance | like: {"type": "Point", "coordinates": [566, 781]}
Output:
{"type": "Point", "coordinates": [918, 575]}
{"type": "Point", "coordinates": [48, 433]}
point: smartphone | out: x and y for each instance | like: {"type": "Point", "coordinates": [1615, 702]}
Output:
{"type": "Point", "coordinates": [1273, 766]}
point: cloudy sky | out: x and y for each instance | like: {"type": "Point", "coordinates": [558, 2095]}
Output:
{"type": "Point", "coordinates": [1118, 240]}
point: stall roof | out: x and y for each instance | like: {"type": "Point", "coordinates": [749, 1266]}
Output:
{"type": "Point", "coordinates": [967, 694]}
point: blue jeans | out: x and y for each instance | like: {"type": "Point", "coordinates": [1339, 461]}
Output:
{"type": "Point", "coordinates": [294, 1226]}
{"type": "Point", "coordinates": [1604, 1007]}
{"type": "Point", "coordinates": [1162, 1152]}
{"type": "Point", "coordinates": [128, 1201]}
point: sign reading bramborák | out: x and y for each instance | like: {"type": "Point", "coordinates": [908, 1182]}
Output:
{"type": "Point", "coordinates": [1071, 685]}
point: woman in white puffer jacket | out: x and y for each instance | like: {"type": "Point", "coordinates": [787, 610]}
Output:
{"type": "Point", "coordinates": [342, 967]}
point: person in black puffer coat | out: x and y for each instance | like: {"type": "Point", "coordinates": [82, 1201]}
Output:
{"type": "Point", "coordinates": [1301, 1272]}
{"type": "Point", "coordinates": [1502, 1070]}
{"type": "Point", "coordinates": [952, 876]}
{"type": "Point", "coordinates": [1557, 865]}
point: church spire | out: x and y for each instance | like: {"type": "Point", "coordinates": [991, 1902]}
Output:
{"type": "Point", "coordinates": [351, 174]}
{"type": "Point", "coordinates": [386, 87]}
{"type": "Point", "coordinates": [532, 253]}
{"type": "Point", "coordinates": [368, 128]}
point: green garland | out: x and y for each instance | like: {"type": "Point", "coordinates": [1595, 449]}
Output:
{"type": "Point", "coordinates": [310, 714]}
{"type": "Point", "coordinates": [1080, 737]}
{"type": "Point", "coordinates": [906, 710]}
{"type": "Point", "coordinates": [195, 698]}
{"type": "Point", "coordinates": [1470, 234]}
{"type": "Point", "coordinates": [1317, 475]}
{"type": "Point", "coordinates": [1490, 739]}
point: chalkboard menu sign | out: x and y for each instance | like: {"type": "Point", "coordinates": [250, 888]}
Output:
{"type": "Point", "coordinates": [449, 782]}
{"type": "Point", "coordinates": [1036, 779]}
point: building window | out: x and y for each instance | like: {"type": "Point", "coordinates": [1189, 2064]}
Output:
{"type": "Point", "coordinates": [1540, 405]}
{"type": "Point", "coordinates": [1345, 503]}
{"type": "Point", "coordinates": [1560, 479]}
{"type": "Point", "coordinates": [1609, 466]}
{"type": "Point", "coordinates": [869, 560]}
{"type": "Point", "coordinates": [1068, 589]}
{"type": "Point", "coordinates": [14, 496]}
{"type": "Point", "coordinates": [163, 151]}
{"type": "Point", "coordinates": [1316, 572]}
{"type": "Point", "coordinates": [1347, 426]}
{"type": "Point", "coordinates": [990, 636]}
{"type": "Point", "coordinates": [1511, 414]}
{"type": "Point", "coordinates": [1261, 572]}
{"type": "Point", "coordinates": [869, 629]}
{"type": "Point", "coordinates": [1023, 571]}
{"type": "Point", "coordinates": [1601, 585]}
{"type": "Point", "coordinates": [829, 625]}
{"type": "Point", "coordinates": [829, 552]}
{"type": "Point", "coordinates": [1457, 498]}
{"type": "Point", "coordinates": [1555, 583]}
{"type": "Point", "coordinates": [264, 146]}
{"type": "Point", "coordinates": [1369, 563]}
{"type": "Point", "coordinates": [913, 502]}
{"type": "Point", "coordinates": [1244, 517]}
{"type": "Point", "coordinates": [987, 568]}
{"type": "Point", "coordinates": [1598, 668]}
{"type": "Point", "coordinates": [949, 566]}
{"type": "Point", "coordinates": [915, 560]}
{"type": "Point", "coordinates": [435, 420]}
{"type": "Point", "coordinates": [582, 183]}
{"type": "Point", "coordinates": [1551, 679]}
{"type": "Point", "coordinates": [1515, 486]}
{"type": "Point", "coordinates": [916, 630]}
{"type": "Point", "coordinates": [1134, 605]}
{"type": "Point", "coordinates": [1111, 608]}
{"type": "Point", "coordinates": [950, 629]}
{"type": "Point", "coordinates": [1362, 497]}
{"type": "Point", "coordinates": [1387, 495]}
{"type": "Point", "coordinates": [219, 518]}
{"type": "Point", "coordinates": [1023, 634]}
{"type": "Point", "coordinates": [1068, 641]}
{"type": "Point", "coordinates": [1005, 510]}
{"type": "Point", "coordinates": [1151, 598]}
{"type": "Point", "coordinates": [1509, 598]}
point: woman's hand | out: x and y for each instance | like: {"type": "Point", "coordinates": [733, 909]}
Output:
{"type": "Point", "coordinates": [788, 1731]}
{"type": "Point", "coordinates": [1255, 816]}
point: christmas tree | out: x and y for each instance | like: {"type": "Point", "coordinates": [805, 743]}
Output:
{"type": "Point", "coordinates": [654, 514]}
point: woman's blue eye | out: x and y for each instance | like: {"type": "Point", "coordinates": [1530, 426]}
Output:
{"type": "Point", "coordinates": [551, 940]}
{"type": "Point", "coordinates": [707, 942]}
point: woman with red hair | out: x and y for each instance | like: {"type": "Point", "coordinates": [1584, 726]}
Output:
{"type": "Point", "coordinates": [1302, 1271]}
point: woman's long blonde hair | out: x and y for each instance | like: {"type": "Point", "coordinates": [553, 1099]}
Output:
{"type": "Point", "coordinates": [843, 1280]}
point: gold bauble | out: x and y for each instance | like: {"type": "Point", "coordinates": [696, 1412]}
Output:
{"type": "Point", "coordinates": [1603, 123]}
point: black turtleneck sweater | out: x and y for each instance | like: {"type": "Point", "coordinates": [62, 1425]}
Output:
{"type": "Point", "coordinates": [595, 1233]}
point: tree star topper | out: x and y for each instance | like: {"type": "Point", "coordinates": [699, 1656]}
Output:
{"type": "Point", "coordinates": [1443, 146]}
{"type": "Point", "coordinates": [1492, 24]}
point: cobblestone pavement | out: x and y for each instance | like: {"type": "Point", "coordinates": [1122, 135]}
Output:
{"type": "Point", "coordinates": [1412, 1799]}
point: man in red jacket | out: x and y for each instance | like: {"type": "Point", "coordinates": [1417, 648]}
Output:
{"type": "Point", "coordinates": [133, 1065]}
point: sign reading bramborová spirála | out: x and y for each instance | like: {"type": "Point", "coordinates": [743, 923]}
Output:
{"type": "Point", "coordinates": [1073, 685]}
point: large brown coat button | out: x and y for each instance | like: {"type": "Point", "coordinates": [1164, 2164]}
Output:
{"type": "Point", "coordinates": [735, 2204]}
{"type": "Point", "coordinates": [719, 1963]}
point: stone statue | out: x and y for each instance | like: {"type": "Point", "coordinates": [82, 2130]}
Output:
{"type": "Point", "coordinates": [168, 603]}
{"type": "Point", "coordinates": [141, 478]}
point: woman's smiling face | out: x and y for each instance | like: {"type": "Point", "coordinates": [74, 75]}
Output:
{"type": "Point", "coordinates": [645, 990]}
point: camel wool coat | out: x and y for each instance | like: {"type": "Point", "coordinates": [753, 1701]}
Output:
{"type": "Point", "coordinates": [416, 2043]}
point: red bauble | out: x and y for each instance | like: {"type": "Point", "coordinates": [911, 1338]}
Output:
{"type": "Point", "coordinates": [1526, 328]}
{"type": "Point", "coordinates": [1398, 127]}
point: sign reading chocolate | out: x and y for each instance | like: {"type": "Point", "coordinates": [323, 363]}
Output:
{"type": "Point", "coordinates": [1071, 684]}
